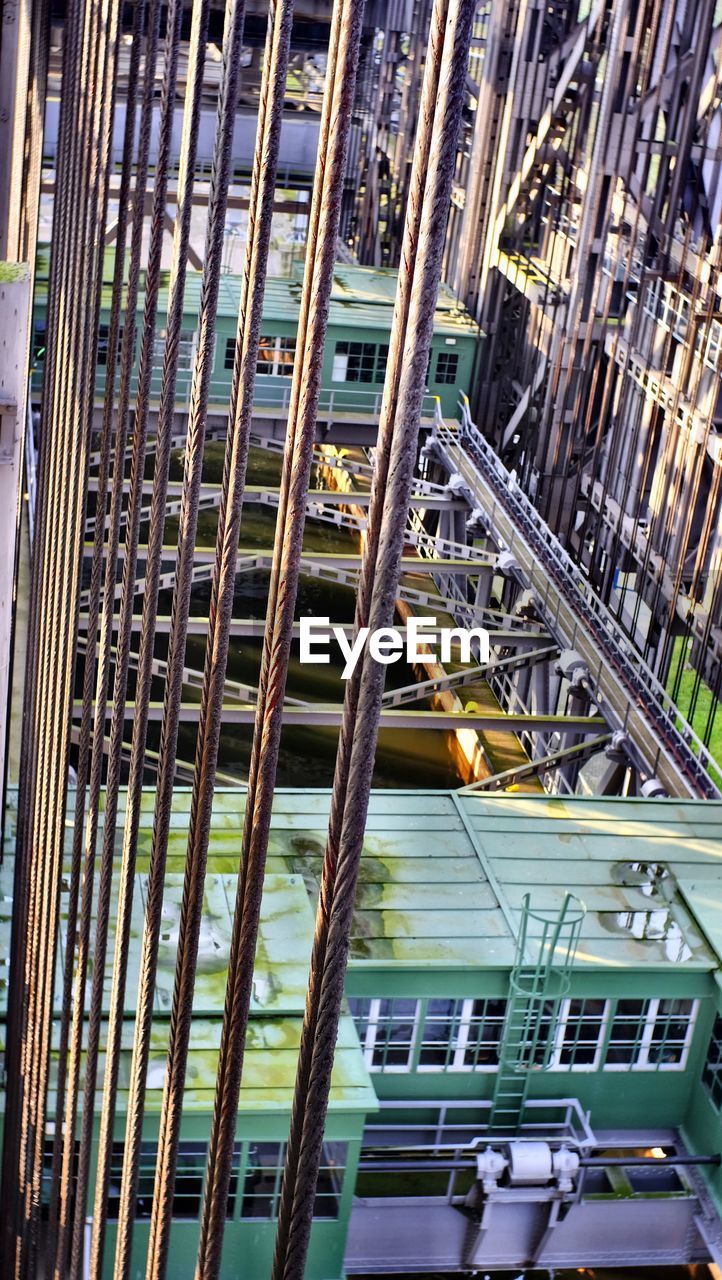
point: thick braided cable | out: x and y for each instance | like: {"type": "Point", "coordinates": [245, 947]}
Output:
{"type": "Point", "coordinates": [62, 609]}
{"type": "Point", "coordinates": [294, 1234]}
{"type": "Point", "coordinates": [67, 1181]}
{"type": "Point", "coordinates": [281, 517]}
{"type": "Point", "coordinates": [298, 455]}
{"type": "Point", "coordinates": [151, 931]}
{"type": "Point", "coordinates": [143, 679]}
{"type": "Point", "coordinates": [74, 876]}
{"type": "Point", "coordinates": [213, 1212]}
{"type": "Point", "coordinates": [25, 880]}
{"type": "Point", "coordinates": [192, 903]}
{"type": "Point", "coordinates": [385, 434]}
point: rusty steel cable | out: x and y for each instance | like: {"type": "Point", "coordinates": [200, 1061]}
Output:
{"type": "Point", "coordinates": [171, 1111]}
{"type": "Point", "coordinates": [143, 682]}
{"type": "Point", "coordinates": [427, 106]}
{"type": "Point", "coordinates": [122, 625]}
{"type": "Point", "coordinates": [71, 1192]}
{"type": "Point", "coordinates": [54, 646]}
{"type": "Point", "coordinates": [24, 881]}
{"type": "Point", "coordinates": [72, 470]}
{"type": "Point", "coordinates": [151, 930]}
{"type": "Point", "coordinates": [75, 1171]}
{"type": "Point", "coordinates": [336, 901]}
{"type": "Point", "coordinates": [84, 733]}
{"type": "Point", "coordinates": [298, 452]}
{"type": "Point", "coordinates": [250, 313]}
{"type": "Point", "coordinates": [38, 679]}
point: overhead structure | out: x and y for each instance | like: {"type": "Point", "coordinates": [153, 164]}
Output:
{"type": "Point", "coordinates": [135, 549]}
{"type": "Point", "coordinates": [585, 238]}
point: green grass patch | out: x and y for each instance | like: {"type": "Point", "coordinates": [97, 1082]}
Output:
{"type": "Point", "coordinates": [685, 691]}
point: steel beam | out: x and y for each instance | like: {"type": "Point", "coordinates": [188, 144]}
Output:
{"type": "Point", "coordinates": [325, 716]}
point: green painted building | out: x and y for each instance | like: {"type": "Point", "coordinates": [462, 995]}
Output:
{"type": "Point", "coordinates": [356, 351]}
{"type": "Point", "coordinates": [619, 1069]}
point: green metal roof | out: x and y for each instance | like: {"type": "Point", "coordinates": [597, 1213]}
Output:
{"type": "Point", "coordinates": [442, 881]}
{"type": "Point", "coordinates": [362, 297]}
{"type": "Point", "coordinates": [443, 874]}
{"type": "Point", "coordinates": [279, 984]}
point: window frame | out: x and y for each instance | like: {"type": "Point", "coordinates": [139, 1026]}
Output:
{"type": "Point", "coordinates": [566, 1023]}
{"type": "Point", "coordinates": [374, 1019]}
{"type": "Point", "coordinates": [714, 1068]}
{"type": "Point", "coordinates": [375, 354]}
{"type": "Point", "coordinates": [277, 345]}
{"type": "Point", "coordinates": [645, 1041]}
{"type": "Point", "coordinates": [187, 346]}
{"type": "Point", "coordinates": [443, 379]}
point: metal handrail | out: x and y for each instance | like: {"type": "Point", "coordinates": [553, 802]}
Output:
{"type": "Point", "coordinates": [274, 392]}
{"type": "Point", "coordinates": [639, 675]}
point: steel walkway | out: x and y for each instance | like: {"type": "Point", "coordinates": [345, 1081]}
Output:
{"type": "Point", "coordinates": [624, 688]}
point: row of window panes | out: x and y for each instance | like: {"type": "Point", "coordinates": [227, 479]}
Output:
{"type": "Point", "coordinates": [359, 362]}
{"type": "Point", "coordinates": [573, 1034]}
{"type": "Point", "coordinates": [712, 1073]}
{"type": "Point", "coordinates": [352, 361]}
{"type": "Point", "coordinates": [262, 1163]}
{"type": "Point", "coordinates": [668, 306]}
{"type": "Point", "coordinates": [708, 344]}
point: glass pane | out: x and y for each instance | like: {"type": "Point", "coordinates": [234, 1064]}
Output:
{"type": "Point", "coordinates": [437, 1046]}
{"type": "Point", "coordinates": [263, 1179]}
{"type": "Point", "coordinates": [485, 1031]}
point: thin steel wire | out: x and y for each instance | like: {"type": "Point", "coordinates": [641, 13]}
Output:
{"type": "Point", "coordinates": [156, 875]}
{"type": "Point", "coordinates": [74, 876]}
{"type": "Point", "coordinates": [213, 1214]}
{"type": "Point", "coordinates": [86, 138]}
{"type": "Point", "coordinates": [162, 452]}
{"type": "Point", "coordinates": [76, 1170]}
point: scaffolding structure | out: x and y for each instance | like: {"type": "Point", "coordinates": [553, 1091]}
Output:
{"type": "Point", "coordinates": [584, 235]}
{"type": "Point", "coordinates": [558, 164]}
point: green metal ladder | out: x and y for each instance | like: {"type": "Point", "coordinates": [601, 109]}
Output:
{"type": "Point", "coordinates": [540, 977]}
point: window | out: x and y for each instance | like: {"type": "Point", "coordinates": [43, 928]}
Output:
{"type": "Point", "coordinates": [627, 1030]}
{"type": "Point", "coordinates": [440, 1034]}
{"type": "Point", "coordinates": [229, 355]}
{"type": "Point", "coordinates": [146, 1179]}
{"type": "Point", "coordinates": [264, 1178]}
{"type": "Point", "coordinates": [579, 1035]}
{"type": "Point", "coordinates": [451, 1035]}
{"type": "Point", "coordinates": [650, 1034]}
{"type": "Point", "coordinates": [447, 364]}
{"type": "Point", "coordinates": [186, 349]}
{"type": "Point", "coordinates": [103, 336]}
{"type": "Point", "coordinates": [671, 1033]}
{"type": "Point", "coordinates": [262, 1186]}
{"type": "Point", "coordinates": [712, 1073]}
{"type": "Point", "coordinates": [387, 1030]}
{"type": "Point", "coordinates": [359, 362]}
{"type": "Point", "coordinates": [710, 343]}
{"type": "Point", "coordinates": [190, 1172]}
{"type": "Point", "coordinates": [188, 1184]}
{"type": "Point", "coordinates": [481, 1036]}
{"type": "Point", "coordinates": [275, 356]}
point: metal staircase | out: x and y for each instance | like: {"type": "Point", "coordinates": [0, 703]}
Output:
{"type": "Point", "coordinates": [539, 981]}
